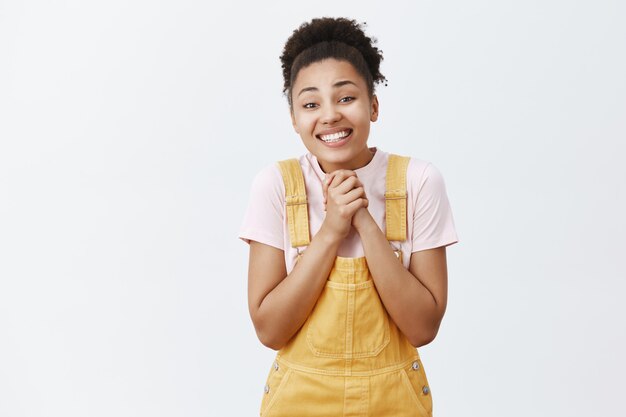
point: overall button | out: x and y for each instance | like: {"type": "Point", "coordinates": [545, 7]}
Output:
{"type": "Point", "coordinates": [267, 389]}
{"type": "Point", "coordinates": [425, 390]}
{"type": "Point", "coordinates": [416, 365]}
{"type": "Point", "coordinates": [276, 366]}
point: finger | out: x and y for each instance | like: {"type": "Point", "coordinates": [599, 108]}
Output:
{"type": "Point", "coordinates": [338, 194]}
{"type": "Point", "coordinates": [327, 180]}
{"type": "Point", "coordinates": [326, 184]}
{"type": "Point", "coordinates": [347, 185]}
{"type": "Point", "coordinates": [352, 195]}
{"type": "Point", "coordinates": [329, 177]}
{"type": "Point", "coordinates": [353, 207]}
{"type": "Point", "coordinates": [358, 183]}
{"type": "Point", "coordinates": [340, 176]}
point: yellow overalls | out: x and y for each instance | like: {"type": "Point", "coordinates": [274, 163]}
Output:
{"type": "Point", "coordinates": [349, 358]}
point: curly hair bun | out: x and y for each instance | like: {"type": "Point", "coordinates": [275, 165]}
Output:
{"type": "Point", "coordinates": [328, 37]}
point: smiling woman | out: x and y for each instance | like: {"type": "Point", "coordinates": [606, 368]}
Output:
{"type": "Point", "coordinates": [332, 114]}
{"type": "Point", "coordinates": [347, 269]}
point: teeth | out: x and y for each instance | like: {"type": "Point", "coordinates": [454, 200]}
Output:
{"type": "Point", "coordinates": [335, 137]}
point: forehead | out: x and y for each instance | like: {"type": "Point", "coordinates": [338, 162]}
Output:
{"type": "Point", "coordinates": [326, 72]}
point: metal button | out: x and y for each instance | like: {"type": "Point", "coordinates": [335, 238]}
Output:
{"type": "Point", "coordinates": [416, 365]}
{"type": "Point", "coordinates": [276, 366]}
{"type": "Point", "coordinates": [267, 389]}
{"type": "Point", "coordinates": [425, 390]}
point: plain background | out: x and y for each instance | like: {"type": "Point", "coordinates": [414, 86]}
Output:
{"type": "Point", "coordinates": [130, 134]}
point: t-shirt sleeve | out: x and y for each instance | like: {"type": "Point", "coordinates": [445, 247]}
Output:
{"type": "Point", "coordinates": [263, 219]}
{"type": "Point", "coordinates": [433, 223]}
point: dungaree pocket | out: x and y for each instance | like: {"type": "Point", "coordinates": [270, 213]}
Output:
{"type": "Point", "coordinates": [416, 383]}
{"type": "Point", "coordinates": [276, 381]}
{"type": "Point", "coordinates": [348, 321]}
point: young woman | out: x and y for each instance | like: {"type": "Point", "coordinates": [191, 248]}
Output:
{"type": "Point", "coordinates": [347, 268]}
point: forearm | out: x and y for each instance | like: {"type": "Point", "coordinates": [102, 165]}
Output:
{"type": "Point", "coordinates": [409, 303]}
{"type": "Point", "coordinates": [284, 309]}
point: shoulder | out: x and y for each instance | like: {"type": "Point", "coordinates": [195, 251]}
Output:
{"type": "Point", "coordinates": [417, 167]}
{"type": "Point", "coordinates": [422, 173]}
{"type": "Point", "coordinates": [268, 184]}
{"type": "Point", "coordinates": [270, 178]}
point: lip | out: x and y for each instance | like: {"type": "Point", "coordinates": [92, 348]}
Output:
{"type": "Point", "coordinates": [339, 143]}
{"type": "Point", "coordinates": [331, 131]}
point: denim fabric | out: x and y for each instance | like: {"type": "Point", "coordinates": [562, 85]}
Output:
{"type": "Point", "coordinates": [349, 358]}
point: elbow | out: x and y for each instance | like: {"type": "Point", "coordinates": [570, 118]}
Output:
{"type": "Point", "coordinates": [422, 337]}
{"type": "Point", "coordinates": [269, 340]}
{"type": "Point", "coordinates": [423, 334]}
{"type": "Point", "coordinates": [268, 336]}
{"type": "Point", "coordinates": [421, 340]}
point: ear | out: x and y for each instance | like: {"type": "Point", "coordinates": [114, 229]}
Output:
{"type": "Point", "coordinates": [374, 108]}
{"type": "Point", "coordinates": [293, 121]}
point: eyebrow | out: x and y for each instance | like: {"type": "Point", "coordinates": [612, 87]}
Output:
{"type": "Point", "coordinates": [336, 85]}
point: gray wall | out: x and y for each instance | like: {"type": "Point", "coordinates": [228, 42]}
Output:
{"type": "Point", "coordinates": [130, 132]}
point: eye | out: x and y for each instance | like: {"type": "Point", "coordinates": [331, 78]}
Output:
{"type": "Point", "coordinates": [308, 105]}
{"type": "Point", "coordinates": [346, 99]}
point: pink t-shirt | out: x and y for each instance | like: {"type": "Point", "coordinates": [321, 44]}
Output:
{"type": "Point", "coordinates": [430, 221]}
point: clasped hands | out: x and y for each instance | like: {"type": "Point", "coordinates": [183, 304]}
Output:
{"type": "Point", "coordinates": [345, 202]}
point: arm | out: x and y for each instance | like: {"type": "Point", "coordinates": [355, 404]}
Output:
{"type": "Point", "coordinates": [279, 303]}
{"type": "Point", "coordinates": [415, 298]}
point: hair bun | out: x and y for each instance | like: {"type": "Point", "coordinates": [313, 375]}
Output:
{"type": "Point", "coordinates": [332, 30]}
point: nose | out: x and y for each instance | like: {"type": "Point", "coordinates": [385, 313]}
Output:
{"type": "Point", "coordinates": [330, 114]}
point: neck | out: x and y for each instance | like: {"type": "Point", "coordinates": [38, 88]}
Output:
{"type": "Point", "coordinates": [360, 161]}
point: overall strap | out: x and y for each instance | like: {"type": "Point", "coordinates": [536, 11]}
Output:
{"type": "Point", "coordinates": [295, 202]}
{"type": "Point", "coordinates": [395, 197]}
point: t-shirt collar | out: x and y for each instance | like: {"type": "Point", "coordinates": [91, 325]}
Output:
{"type": "Point", "coordinates": [362, 172]}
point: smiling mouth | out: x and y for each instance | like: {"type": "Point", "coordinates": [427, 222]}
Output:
{"type": "Point", "coordinates": [335, 137]}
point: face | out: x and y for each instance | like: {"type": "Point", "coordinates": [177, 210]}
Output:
{"type": "Point", "coordinates": [332, 111]}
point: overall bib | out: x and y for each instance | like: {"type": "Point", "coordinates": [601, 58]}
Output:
{"type": "Point", "coordinates": [349, 358]}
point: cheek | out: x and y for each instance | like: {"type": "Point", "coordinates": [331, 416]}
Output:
{"type": "Point", "coordinates": [360, 115]}
{"type": "Point", "coordinates": [305, 121]}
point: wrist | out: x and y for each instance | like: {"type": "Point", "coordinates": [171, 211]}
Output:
{"type": "Point", "coordinates": [363, 221]}
{"type": "Point", "coordinates": [328, 236]}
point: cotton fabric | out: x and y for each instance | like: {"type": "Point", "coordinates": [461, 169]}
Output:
{"type": "Point", "coordinates": [348, 358]}
{"type": "Point", "coordinates": [430, 220]}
